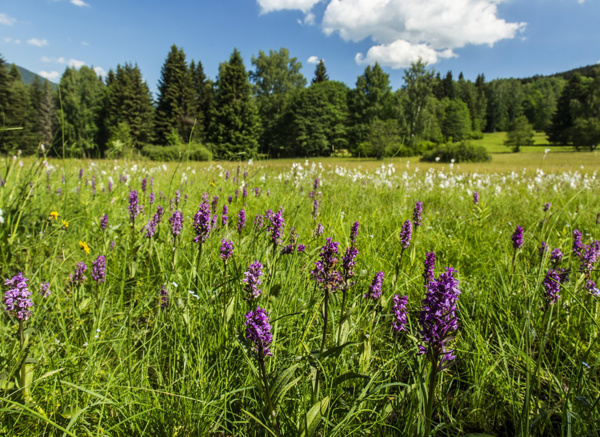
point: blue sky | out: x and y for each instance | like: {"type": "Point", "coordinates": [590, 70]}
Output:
{"type": "Point", "coordinates": [498, 38]}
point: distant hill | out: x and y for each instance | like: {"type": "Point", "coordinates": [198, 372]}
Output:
{"type": "Point", "coordinates": [587, 71]}
{"type": "Point", "coordinates": [29, 76]}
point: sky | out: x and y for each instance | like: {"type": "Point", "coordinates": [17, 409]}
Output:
{"type": "Point", "coordinates": [501, 39]}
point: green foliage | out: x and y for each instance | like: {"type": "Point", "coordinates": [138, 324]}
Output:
{"type": "Point", "coordinates": [203, 100]}
{"type": "Point", "coordinates": [371, 100]}
{"type": "Point", "coordinates": [316, 119]}
{"type": "Point", "coordinates": [180, 152]}
{"type": "Point", "coordinates": [275, 78]}
{"type": "Point", "coordinates": [520, 134]}
{"type": "Point", "coordinates": [78, 107]}
{"type": "Point", "coordinates": [235, 121]}
{"type": "Point", "coordinates": [456, 125]}
{"type": "Point", "coordinates": [175, 108]}
{"type": "Point", "coordinates": [384, 139]}
{"type": "Point", "coordinates": [457, 152]}
{"type": "Point", "coordinates": [416, 101]}
{"type": "Point", "coordinates": [128, 101]}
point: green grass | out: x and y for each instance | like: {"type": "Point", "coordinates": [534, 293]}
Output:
{"type": "Point", "coordinates": [105, 359]}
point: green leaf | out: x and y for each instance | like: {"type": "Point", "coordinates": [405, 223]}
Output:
{"type": "Point", "coordinates": [348, 376]}
{"type": "Point", "coordinates": [229, 310]}
{"type": "Point", "coordinates": [334, 351]}
{"type": "Point", "coordinates": [281, 379]}
{"type": "Point", "coordinates": [313, 417]}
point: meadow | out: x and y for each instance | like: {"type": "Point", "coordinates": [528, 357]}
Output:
{"type": "Point", "coordinates": [160, 334]}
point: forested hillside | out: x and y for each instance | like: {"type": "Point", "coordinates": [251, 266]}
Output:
{"type": "Point", "coordinates": [271, 109]}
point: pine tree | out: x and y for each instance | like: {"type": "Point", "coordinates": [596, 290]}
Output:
{"type": "Point", "coordinates": [175, 106]}
{"type": "Point", "coordinates": [568, 107]}
{"type": "Point", "coordinates": [17, 120]}
{"type": "Point", "coordinates": [235, 122]}
{"type": "Point", "coordinates": [128, 103]}
{"type": "Point", "coordinates": [320, 73]}
{"type": "Point", "coordinates": [203, 99]}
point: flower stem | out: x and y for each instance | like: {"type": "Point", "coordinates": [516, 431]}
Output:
{"type": "Point", "coordinates": [272, 414]}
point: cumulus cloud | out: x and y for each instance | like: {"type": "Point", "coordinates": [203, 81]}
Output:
{"type": "Point", "coordinates": [267, 6]}
{"type": "Point", "coordinates": [400, 54]}
{"type": "Point", "coordinates": [50, 75]}
{"type": "Point", "coordinates": [313, 60]}
{"type": "Point", "coordinates": [37, 42]}
{"type": "Point", "coordinates": [79, 3]}
{"type": "Point", "coordinates": [75, 63]}
{"type": "Point", "coordinates": [6, 20]}
{"type": "Point", "coordinates": [403, 29]}
{"type": "Point", "coordinates": [100, 71]}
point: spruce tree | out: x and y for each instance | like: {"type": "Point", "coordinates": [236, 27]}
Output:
{"type": "Point", "coordinates": [235, 122]}
{"type": "Point", "coordinates": [320, 73]}
{"type": "Point", "coordinates": [129, 103]}
{"type": "Point", "coordinates": [203, 92]}
{"type": "Point", "coordinates": [175, 106]}
{"type": "Point", "coordinates": [571, 99]}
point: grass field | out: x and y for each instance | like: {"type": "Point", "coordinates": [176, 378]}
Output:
{"type": "Point", "coordinates": [159, 344]}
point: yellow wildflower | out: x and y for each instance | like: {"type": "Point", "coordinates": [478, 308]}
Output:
{"type": "Point", "coordinates": [85, 247]}
{"type": "Point", "coordinates": [65, 223]}
{"type": "Point", "coordinates": [213, 184]}
{"type": "Point", "coordinates": [54, 215]}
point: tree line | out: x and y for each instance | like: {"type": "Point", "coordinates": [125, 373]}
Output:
{"type": "Point", "coordinates": [271, 110]}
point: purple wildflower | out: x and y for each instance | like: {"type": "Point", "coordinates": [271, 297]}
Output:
{"type": "Point", "coordinates": [151, 198]}
{"type": "Point", "coordinates": [591, 287]}
{"type": "Point", "coordinates": [226, 249]}
{"type": "Point", "coordinates": [112, 244]}
{"type": "Point", "coordinates": [354, 233]}
{"type": "Point", "coordinates": [375, 289]}
{"type": "Point", "coordinates": [214, 204]}
{"type": "Point", "coordinates": [590, 255]}
{"type": "Point", "coordinates": [276, 225]}
{"type": "Point", "coordinates": [258, 221]}
{"type": "Point", "coordinates": [406, 234]}
{"type": "Point", "coordinates": [80, 173]}
{"type": "Point", "coordinates": [134, 207]}
{"type": "Point", "coordinates": [163, 295]}
{"type": "Point", "coordinates": [348, 263]}
{"type": "Point", "coordinates": [438, 317]}
{"type": "Point", "coordinates": [564, 275]}
{"type": "Point", "coordinates": [551, 285]}
{"type": "Point", "coordinates": [104, 222]}
{"type": "Point", "coordinates": [578, 246]}
{"type": "Point", "coordinates": [475, 198]}
{"type": "Point", "coordinates": [230, 199]}
{"type": "Point", "coordinates": [289, 249]}
{"type": "Point", "coordinates": [429, 267]}
{"type": "Point", "coordinates": [315, 211]}
{"type": "Point", "coordinates": [257, 192]}
{"type": "Point", "coordinates": [18, 297]}
{"type": "Point", "coordinates": [176, 221]}
{"type": "Point", "coordinates": [45, 289]}
{"type": "Point", "coordinates": [245, 191]}
{"type": "Point", "coordinates": [241, 224]}
{"type": "Point", "coordinates": [301, 248]}
{"type": "Point", "coordinates": [517, 238]}
{"type": "Point", "coordinates": [202, 223]}
{"type": "Point", "coordinates": [78, 276]}
{"type": "Point", "coordinates": [324, 271]}
{"type": "Point", "coordinates": [224, 216]}
{"type": "Point", "coordinates": [318, 230]}
{"type": "Point", "coordinates": [258, 331]}
{"type": "Point", "coordinates": [316, 184]}
{"type": "Point", "coordinates": [252, 280]}
{"type": "Point", "coordinates": [226, 174]}
{"type": "Point", "coordinates": [417, 212]}
{"type": "Point", "coordinates": [99, 269]}
{"type": "Point", "coordinates": [556, 257]}
{"type": "Point", "coordinates": [144, 184]}
{"type": "Point", "coordinates": [399, 313]}
{"type": "Point", "coordinates": [547, 206]}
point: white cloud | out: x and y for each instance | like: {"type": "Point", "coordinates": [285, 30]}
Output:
{"type": "Point", "coordinates": [404, 29]}
{"type": "Point", "coordinates": [74, 63]}
{"type": "Point", "coordinates": [38, 42]}
{"type": "Point", "coordinates": [7, 20]}
{"type": "Point", "coordinates": [8, 39]}
{"type": "Point", "coordinates": [400, 54]}
{"type": "Point", "coordinates": [79, 3]}
{"type": "Point", "coordinates": [313, 60]}
{"type": "Point", "coordinates": [267, 6]}
{"type": "Point", "coordinates": [309, 20]}
{"type": "Point", "coordinates": [85, 43]}
{"type": "Point", "coordinates": [50, 75]}
{"type": "Point", "coordinates": [100, 71]}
